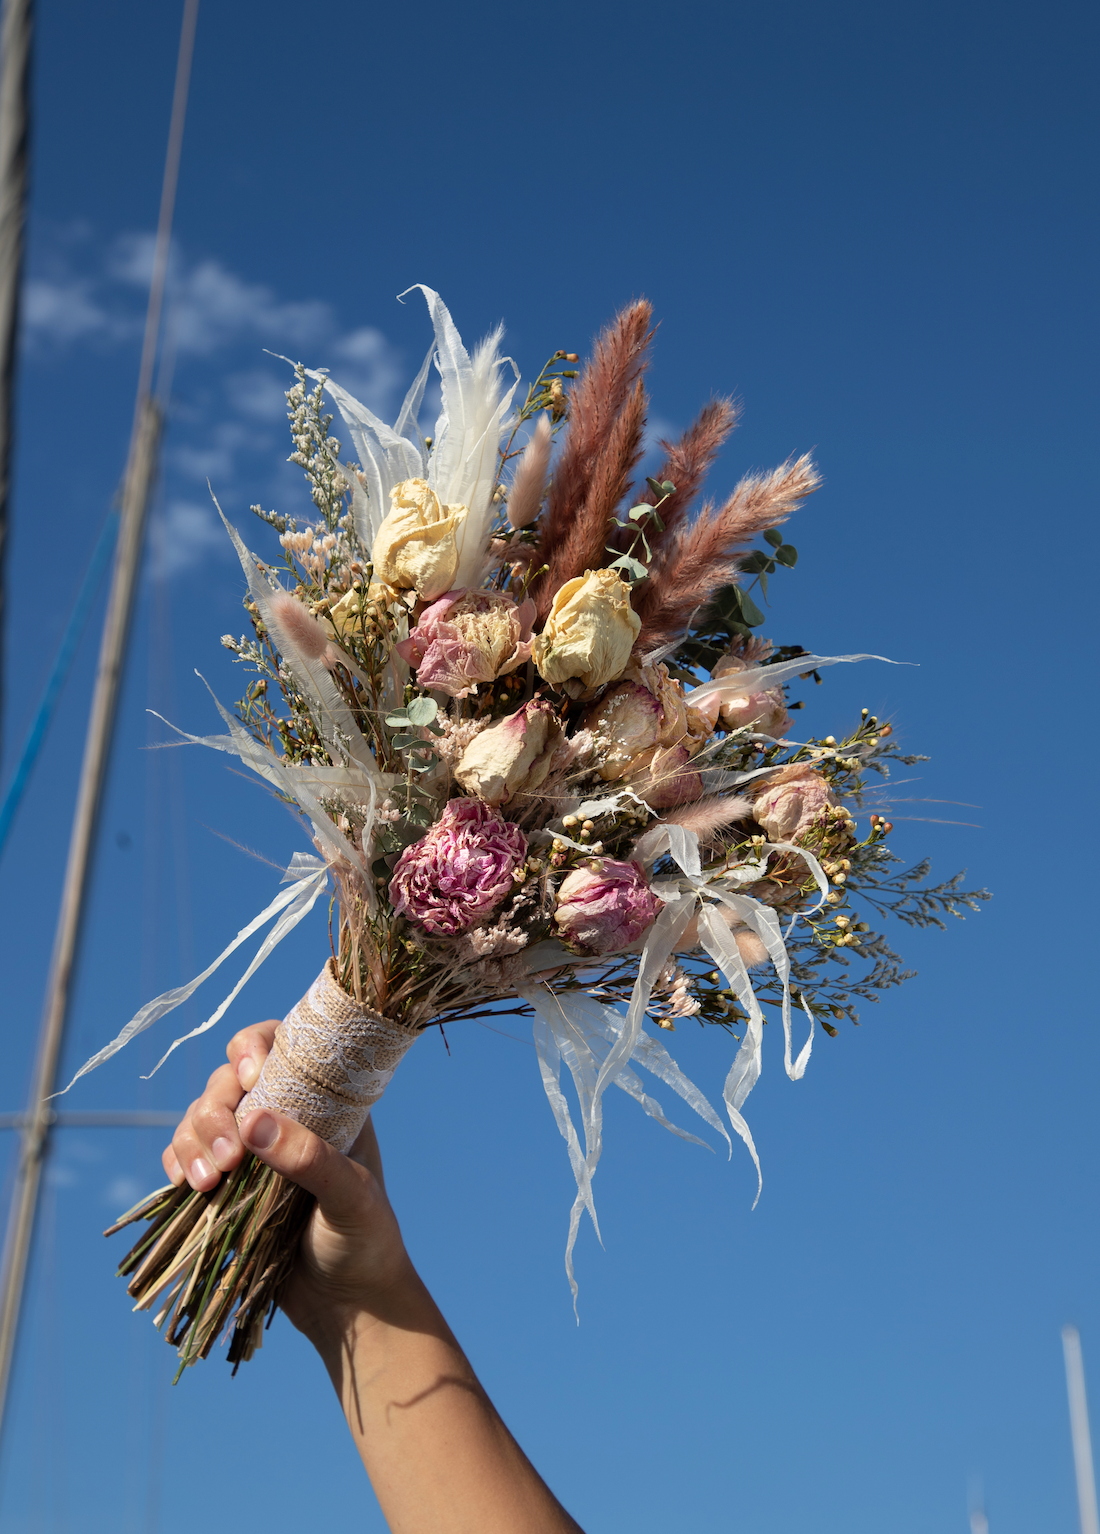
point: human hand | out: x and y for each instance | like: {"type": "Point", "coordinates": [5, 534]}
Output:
{"type": "Point", "coordinates": [352, 1259]}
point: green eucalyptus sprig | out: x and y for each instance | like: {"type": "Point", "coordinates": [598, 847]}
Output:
{"type": "Point", "coordinates": [638, 518]}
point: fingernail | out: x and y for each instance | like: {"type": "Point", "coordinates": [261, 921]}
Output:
{"type": "Point", "coordinates": [264, 1132]}
{"type": "Point", "coordinates": [222, 1151]}
{"type": "Point", "coordinates": [248, 1072]}
{"type": "Point", "coordinates": [201, 1171]}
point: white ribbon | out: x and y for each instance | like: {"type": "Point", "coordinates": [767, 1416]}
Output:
{"type": "Point", "coordinates": [307, 876]}
{"type": "Point", "coordinates": [563, 1016]}
{"type": "Point", "coordinates": [577, 1029]}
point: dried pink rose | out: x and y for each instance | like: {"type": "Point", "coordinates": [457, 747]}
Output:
{"type": "Point", "coordinates": [667, 780]}
{"type": "Point", "coordinates": [764, 711]}
{"type": "Point", "coordinates": [645, 732]}
{"type": "Point", "coordinates": [788, 803]}
{"type": "Point", "coordinates": [468, 637]}
{"type": "Point", "coordinates": [512, 756]}
{"type": "Point", "coordinates": [460, 871]}
{"type": "Point", "coordinates": [605, 906]}
{"type": "Point", "coordinates": [625, 722]}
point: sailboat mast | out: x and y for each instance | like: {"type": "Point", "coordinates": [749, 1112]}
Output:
{"type": "Point", "coordinates": [140, 477]}
{"type": "Point", "coordinates": [16, 29]}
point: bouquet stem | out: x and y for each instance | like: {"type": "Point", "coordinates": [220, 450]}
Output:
{"type": "Point", "coordinates": [216, 1260]}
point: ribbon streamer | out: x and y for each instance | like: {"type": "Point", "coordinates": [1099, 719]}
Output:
{"type": "Point", "coordinates": [307, 876]}
{"type": "Point", "coordinates": [576, 1028]}
{"type": "Point", "coordinates": [568, 1026]}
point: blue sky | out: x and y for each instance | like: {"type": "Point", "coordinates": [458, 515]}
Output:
{"type": "Point", "coordinates": [874, 224]}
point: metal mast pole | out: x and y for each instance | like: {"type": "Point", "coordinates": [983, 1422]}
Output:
{"type": "Point", "coordinates": [16, 26]}
{"type": "Point", "coordinates": [140, 475]}
{"type": "Point", "coordinates": [1079, 1428]}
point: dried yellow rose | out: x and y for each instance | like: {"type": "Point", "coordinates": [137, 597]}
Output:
{"type": "Point", "coordinates": [417, 546]}
{"type": "Point", "coordinates": [589, 633]}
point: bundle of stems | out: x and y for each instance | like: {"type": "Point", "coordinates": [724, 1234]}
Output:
{"type": "Point", "coordinates": [216, 1260]}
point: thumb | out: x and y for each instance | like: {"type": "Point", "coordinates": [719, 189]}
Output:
{"type": "Point", "coordinates": [338, 1184]}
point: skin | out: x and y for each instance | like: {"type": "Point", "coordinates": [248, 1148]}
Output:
{"type": "Point", "coordinates": [439, 1457]}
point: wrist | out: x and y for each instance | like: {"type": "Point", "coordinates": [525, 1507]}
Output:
{"type": "Point", "coordinates": [334, 1318]}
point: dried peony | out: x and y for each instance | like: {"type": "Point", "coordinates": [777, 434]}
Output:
{"type": "Point", "coordinates": [468, 637]}
{"type": "Point", "coordinates": [512, 756]}
{"type": "Point", "coordinates": [604, 906]}
{"type": "Point", "coordinates": [460, 871]}
{"type": "Point", "coordinates": [764, 711]}
{"type": "Point", "coordinates": [625, 723]}
{"type": "Point", "coordinates": [419, 541]}
{"type": "Point", "coordinates": [788, 803]}
{"type": "Point", "coordinates": [589, 633]}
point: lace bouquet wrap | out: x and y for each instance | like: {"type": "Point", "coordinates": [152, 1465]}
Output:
{"type": "Point", "coordinates": [548, 766]}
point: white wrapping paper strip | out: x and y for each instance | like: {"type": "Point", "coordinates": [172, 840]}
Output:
{"type": "Point", "coordinates": [307, 877]}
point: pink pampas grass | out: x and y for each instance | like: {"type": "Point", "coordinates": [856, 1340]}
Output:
{"type": "Point", "coordinates": [699, 557]}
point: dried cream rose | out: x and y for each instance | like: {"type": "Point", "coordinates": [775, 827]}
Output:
{"type": "Point", "coordinates": [589, 634]}
{"type": "Point", "coordinates": [417, 545]}
{"type": "Point", "coordinates": [512, 756]}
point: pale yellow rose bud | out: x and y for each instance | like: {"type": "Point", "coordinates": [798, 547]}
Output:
{"type": "Point", "coordinates": [590, 632]}
{"type": "Point", "coordinates": [417, 545]}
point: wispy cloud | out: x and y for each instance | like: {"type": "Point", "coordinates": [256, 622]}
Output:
{"type": "Point", "coordinates": [228, 417]}
{"type": "Point", "coordinates": [185, 536]}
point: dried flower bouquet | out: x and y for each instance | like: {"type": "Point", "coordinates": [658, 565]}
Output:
{"type": "Point", "coordinates": [546, 762]}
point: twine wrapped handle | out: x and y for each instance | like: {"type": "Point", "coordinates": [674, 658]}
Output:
{"type": "Point", "coordinates": [330, 1062]}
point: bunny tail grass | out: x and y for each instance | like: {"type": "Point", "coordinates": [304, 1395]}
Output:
{"type": "Point", "coordinates": [216, 1262]}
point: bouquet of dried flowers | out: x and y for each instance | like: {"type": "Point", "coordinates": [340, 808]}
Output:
{"type": "Point", "coordinates": [547, 764]}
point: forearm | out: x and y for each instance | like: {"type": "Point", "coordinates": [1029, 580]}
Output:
{"type": "Point", "coordinates": [439, 1457]}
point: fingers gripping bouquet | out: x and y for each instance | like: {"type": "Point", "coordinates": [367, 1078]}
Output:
{"type": "Point", "coordinates": [544, 760]}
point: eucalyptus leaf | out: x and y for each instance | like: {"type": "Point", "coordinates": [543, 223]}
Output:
{"type": "Point", "coordinates": [668, 487]}
{"type": "Point", "coordinates": [398, 717]}
{"type": "Point", "coordinates": [380, 868]}
{"type": "Point", "coordinates": [403, 742]}
{"type": "Point", "coordinates": [773, 537]}
{"type": "Point", "coordinates": [787, 555]}
{"type": "Point", "coordinates": [750, 612]}
{"type": "Point", "coordinates": [419, 815]}
{"type": "Point", "coordinates": [636, 513]}
{"type": "Point", "coordinates": [753, 563]}
{"type": "Point", "coordinates": [422, 710]}
{"type": "Point", "coordinates": [656, 486]}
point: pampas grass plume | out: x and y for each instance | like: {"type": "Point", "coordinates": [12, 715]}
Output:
{"type": "Point", "coordinates": [706, 817]}
{"type": "Point", "coordinates": [529, 482]}
{"type": "Point", "coordinates": [302, 628]}
{"type": "Point", "coordinates": [751, 946]}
